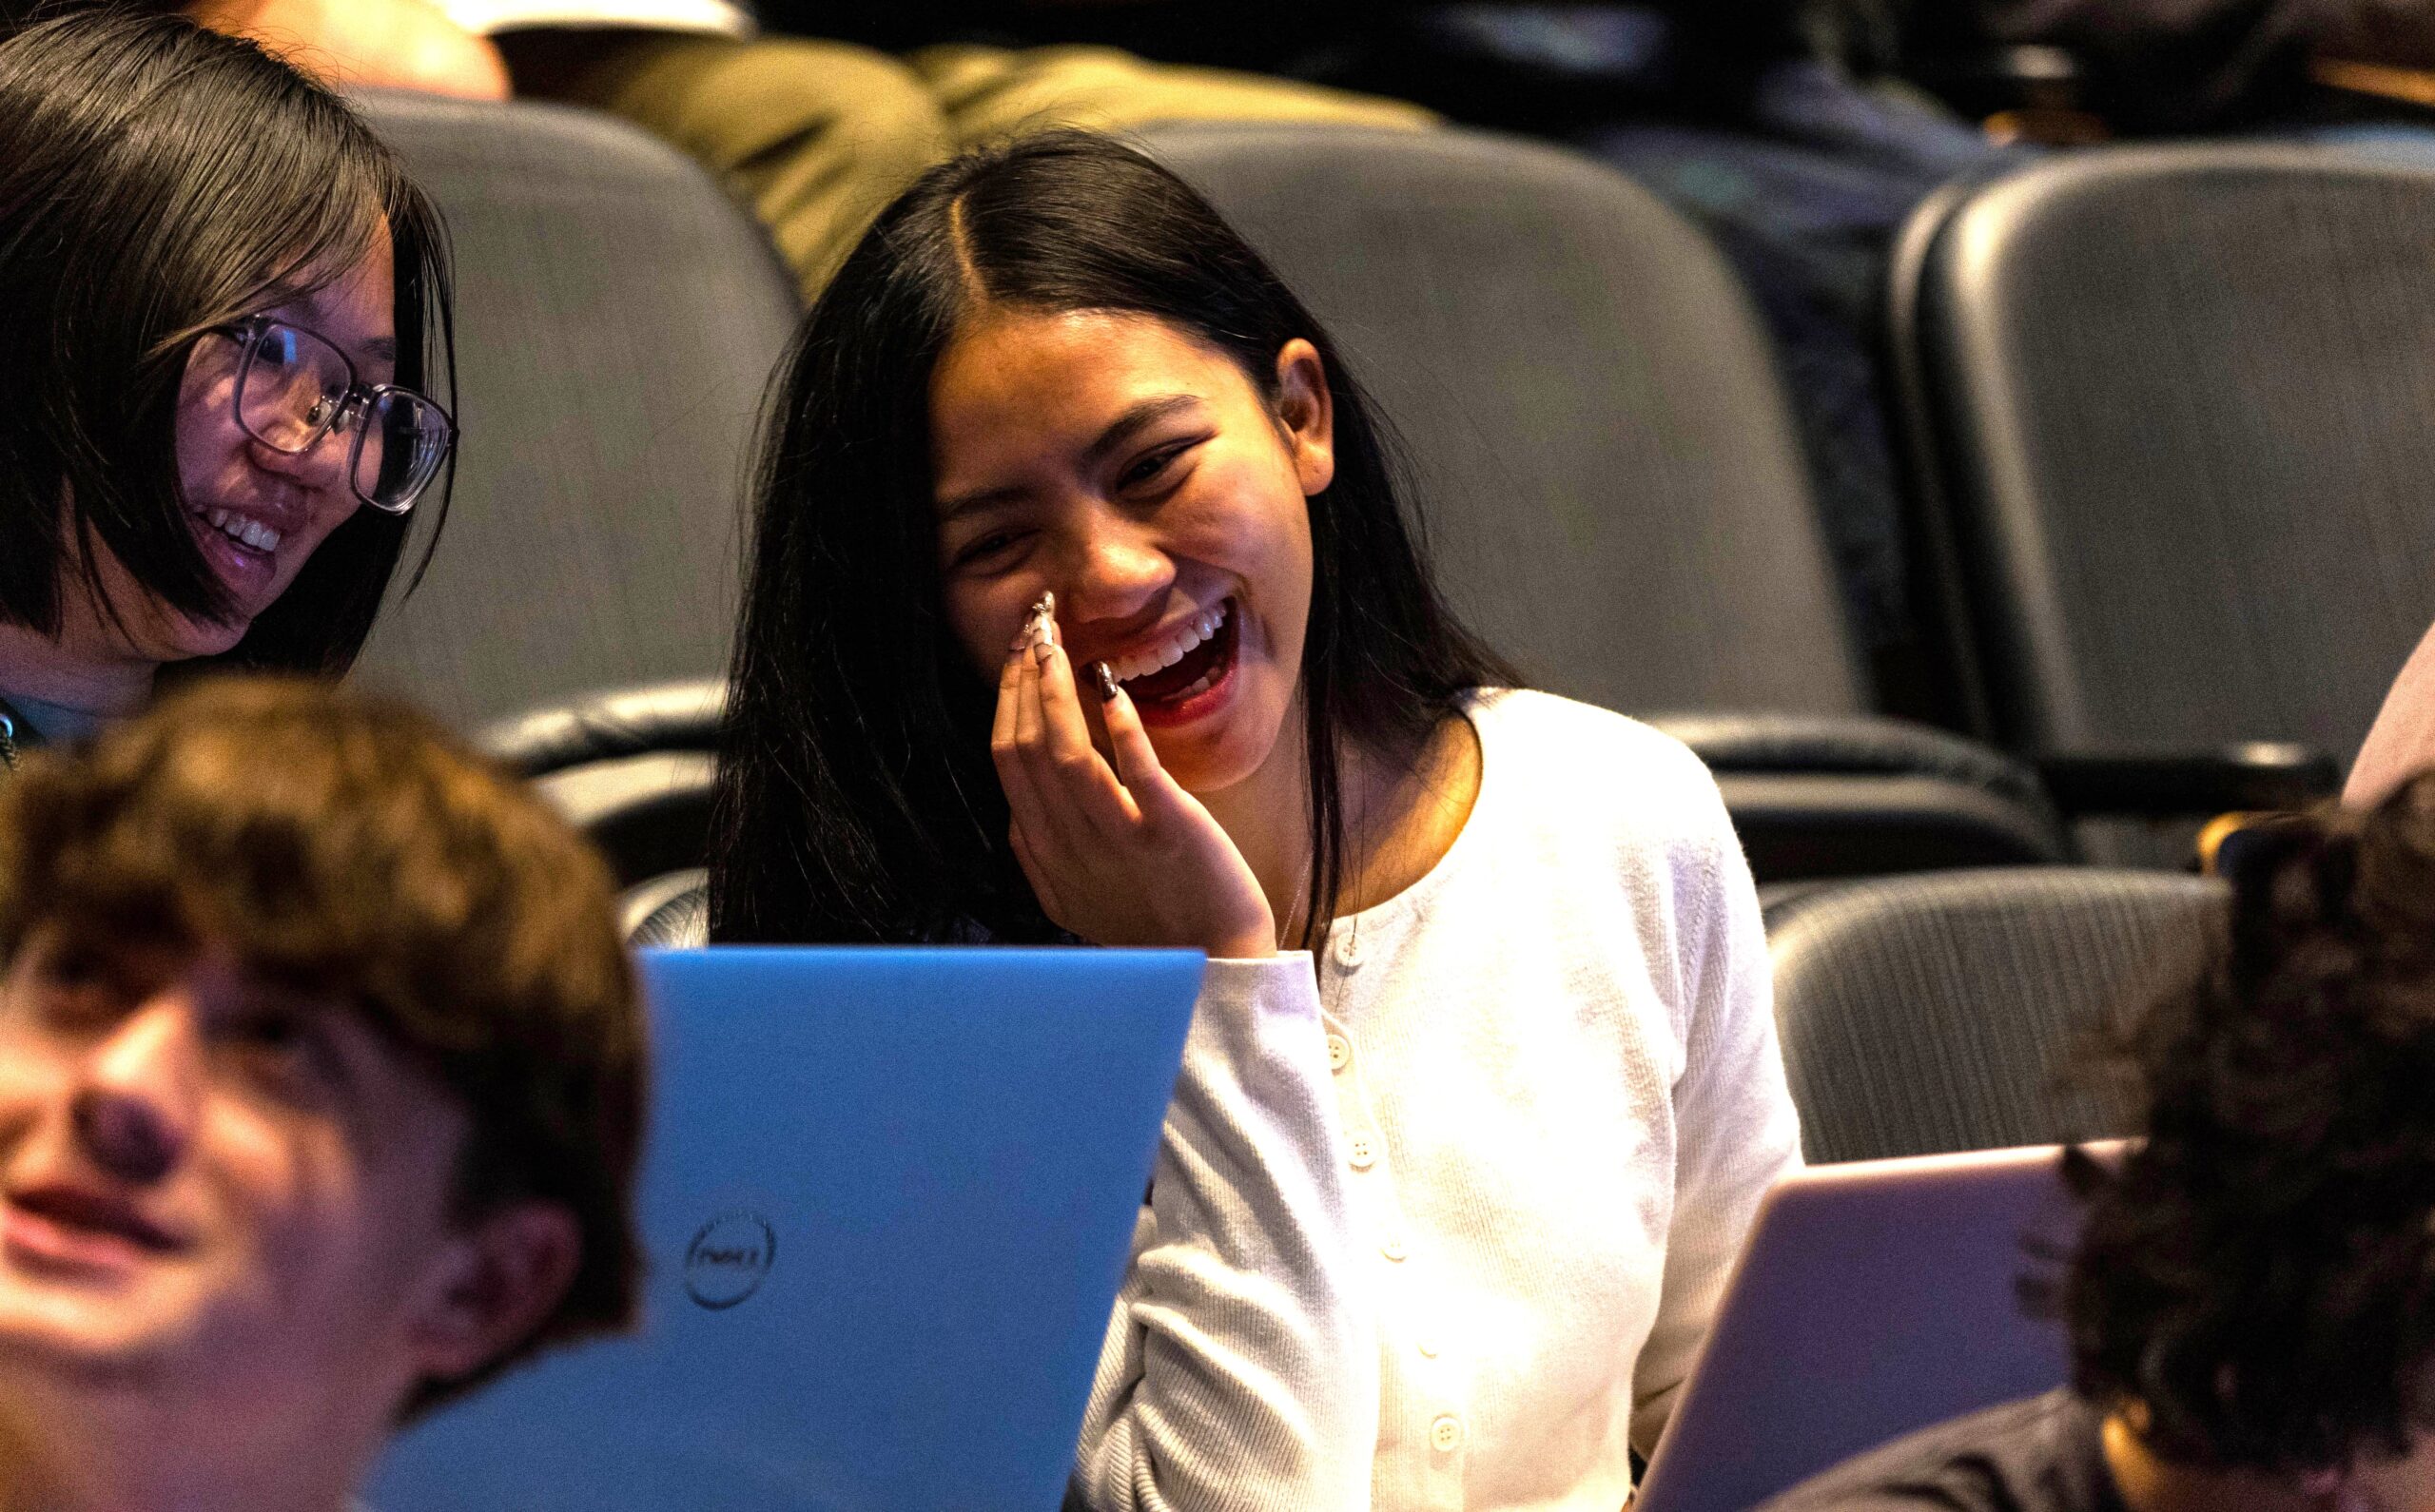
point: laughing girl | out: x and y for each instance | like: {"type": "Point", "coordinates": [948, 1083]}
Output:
{"type": "Point", "coordinates": [1082, 607]}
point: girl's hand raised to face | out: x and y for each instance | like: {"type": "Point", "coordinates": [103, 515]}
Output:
{"type": "Point", "coordinates": [1117, 853]}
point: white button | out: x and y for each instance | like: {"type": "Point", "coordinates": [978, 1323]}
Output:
{"type": "Point", "coordinates": [1393, 1250]}
{"type": "Point", "coordinates": [1429, 1346]}
{"type": "Point", "coordinates": [1339, 1052]}
{"type": "Point", "coordinates": [1348, 949]}
{"type": "Point", "coordinates": [1362, 1152]}
{"type": "Point", "coordinates": [1446, 1433]}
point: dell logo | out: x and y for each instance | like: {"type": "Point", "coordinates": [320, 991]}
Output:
{"type": "Point", "coordinates": [729, 1259]}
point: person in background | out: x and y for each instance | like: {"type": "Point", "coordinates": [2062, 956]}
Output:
{"type": "Point", "coordinates": [1083, 608]}
{"type": "Point", "coordinates": [2170, 67]}
{"type": "Point", "coordinates": [222, 306]}
{"type": "Point", "coordinates": [320, 1086]}
{"type": "Point", "coordinates": [2252, 1305]}
{"type": "Point", "coordinates": [813, 116]}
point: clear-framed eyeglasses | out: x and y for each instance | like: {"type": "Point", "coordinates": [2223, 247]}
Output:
{"type": "Point", "coordinates": [293, 386]}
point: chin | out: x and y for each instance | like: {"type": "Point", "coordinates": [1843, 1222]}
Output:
{"type": "Point", "coordinates": [1213, 760]}
{"type": "Point", "coordinates": [191, 639]}
{"type": "Point", "coordinates": [96, 1339]}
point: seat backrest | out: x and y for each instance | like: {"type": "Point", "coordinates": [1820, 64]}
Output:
{"type": "Point", "coordinates": [1965, 1010]}
{"type": "Point", "coordinates": [1602, 453]}
{"type": "Point", "coordinates": [617, 319]}
{"type": "Point", "coordinates": [2177, 405]}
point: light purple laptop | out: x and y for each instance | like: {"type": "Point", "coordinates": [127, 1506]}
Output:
{"type": "Point", "coordinates": [1872, 1299]}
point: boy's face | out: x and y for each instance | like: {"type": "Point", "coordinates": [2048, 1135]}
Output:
{"type": "Point", "coordinates": [218, 1193]}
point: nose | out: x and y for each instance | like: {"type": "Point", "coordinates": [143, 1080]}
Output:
{"type": "Point", "coordinates": [1115, 569]}
{"type": "Point", "coordinates": [136, 1106]}
{"type": "Point", "coordinates": [320, 467]}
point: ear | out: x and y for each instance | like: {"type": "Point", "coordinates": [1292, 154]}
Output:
{"type": "Point", "coordinates": [1306, 411]}
{"type": "Point", "coordinates": [498, 1282]}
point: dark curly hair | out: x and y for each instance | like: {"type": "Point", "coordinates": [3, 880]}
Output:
{"type": "Point", "coordinates": [2259, 1273]}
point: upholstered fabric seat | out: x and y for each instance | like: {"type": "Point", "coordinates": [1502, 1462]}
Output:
{"type": "Point", "coordinates": [1604, 460]}
{"type": "Point", "coordinates": [617, 319]}
{"type": "Point", "coordinates": [2171, 408]}
{"type": "Point", "coordinates": [1970, 1010]}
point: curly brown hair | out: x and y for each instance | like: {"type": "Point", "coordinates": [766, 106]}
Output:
{"type": "Point", "coordinates": [349, 846]}
{"type": "Point", "coordinates": [2259, 1274]}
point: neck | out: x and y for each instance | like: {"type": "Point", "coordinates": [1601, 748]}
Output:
{"type": "Point", "coordinates": [1400, 816]}
{"type": "Point", "coordinates": [34, 669]}
{"type": "Point", "coordinates": [113, 1456]}
{"type": "Point", "coordinates": [2149, 1483]}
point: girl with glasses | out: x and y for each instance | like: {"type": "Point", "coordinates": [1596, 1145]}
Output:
{"type": "Point", "coordinates": [1082, 608]}
{"type": "Point", "coordinates": [223, 308]}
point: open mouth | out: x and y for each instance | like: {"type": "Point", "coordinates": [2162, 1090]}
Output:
{"type": "Point", "coordinates": [249, 534]}
{"type": "Point", "coordinates": [60, 1227]}
{"type": "Point", "coordinates": [1202, 657]}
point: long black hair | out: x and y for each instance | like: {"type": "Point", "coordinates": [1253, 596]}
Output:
{"type": "Point", "coordinates": [2259, 1276]}
{"type": "Point", "coordinates": [158, 181]}
{"type": "Point", "coordinates": [856, 799]}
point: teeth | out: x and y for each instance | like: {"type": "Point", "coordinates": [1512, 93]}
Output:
{"type": "Point", "coordinates": [236, 527]}
{"type": "Point", "coordinates": [1188, 636]}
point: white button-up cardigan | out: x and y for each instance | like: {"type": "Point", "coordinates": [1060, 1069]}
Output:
{"type": "Point", "coordinates": [1440, 1224]}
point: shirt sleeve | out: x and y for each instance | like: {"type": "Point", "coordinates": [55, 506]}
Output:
{"type": "Point", "coordinates": [1239, 1370]}
{"type": "Point", "coordinates": [1736, 1130]}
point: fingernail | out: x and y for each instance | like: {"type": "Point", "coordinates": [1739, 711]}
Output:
{"type": "Point", "coordinates": [1106, 681]}
{"type": "Point", "coordinates": [1040, 624]}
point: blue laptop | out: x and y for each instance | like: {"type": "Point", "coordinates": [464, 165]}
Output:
{"type": "Point", "coordinates": [887, 1202]}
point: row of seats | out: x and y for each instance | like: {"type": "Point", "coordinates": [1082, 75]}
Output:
{"type": "Point", "coordinates": [2164, 404]}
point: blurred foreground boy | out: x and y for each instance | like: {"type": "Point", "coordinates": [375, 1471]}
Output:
{"type": "Point", "coordinates": [321, 1078]}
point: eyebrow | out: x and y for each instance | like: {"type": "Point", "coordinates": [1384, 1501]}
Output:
{"type": "Point", "coordinates": [1137, 418]}
{"type": "Point", "coordinates": [379, 349]}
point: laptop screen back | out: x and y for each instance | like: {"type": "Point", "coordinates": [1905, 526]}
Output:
{"type": "Point", "coordinates": [1873, 1299]}
{"type": "Point", "coordinates": [886, 1201]}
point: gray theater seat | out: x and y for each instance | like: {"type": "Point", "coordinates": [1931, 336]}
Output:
{"type": "Point", "coordinates": [617, 319]}
{"type": "Point", "coordinates": [1603, 457]}
{"type": "Point", "coordinates": [1962, 1011]}
{"type": "Point", "coordinates": [1601, 448]}
{"type": "Point", "coordinates": [2176, 409]}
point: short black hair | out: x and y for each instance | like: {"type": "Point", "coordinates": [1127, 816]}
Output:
{"type": "Point", "coordinates": [2259, 1275]}
{"type": "Point", "coordinates": [158, 180]}
{"type": "Point", "coordinates": [856, 800]}
{"type": "Point", "coordinates": [348, 846]}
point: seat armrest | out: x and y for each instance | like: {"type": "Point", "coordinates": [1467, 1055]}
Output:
{"type": "Point", "coordinates": [1847, 744]}
{"type": "Point", "coordinates": [648, 814]}
{"type": "Point", "coordinates": [2258, 775]}
{"type": "Point", "coordinates": [681, 716]}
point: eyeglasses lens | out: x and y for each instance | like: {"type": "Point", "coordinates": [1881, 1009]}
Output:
{"type": "Point", "coordinates": [292, 387]}
{"type": "Point", "coordinates": [404, 444]}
